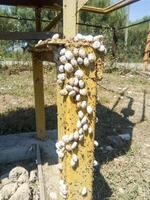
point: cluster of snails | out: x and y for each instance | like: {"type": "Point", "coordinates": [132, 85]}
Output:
{"type": "Point", "coordinates": [71, 81]}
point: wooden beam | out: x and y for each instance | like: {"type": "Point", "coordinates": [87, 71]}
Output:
{"type": "Point", "coordinates": [39, 95]}
{"type": "Point", "coordinates": [25, 35]}
{"type": "Point", "coordinates": [147, 51]}
{"type": "Point", "coordinates": [81, 3]}
{"type": "Point", "coordinates": [53, 22]}
{"type": "Point", "coordinates": [38, 19]}
{"type": "Point", "coordinates": [69, 18]}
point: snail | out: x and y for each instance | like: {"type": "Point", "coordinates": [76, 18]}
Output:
{"type": "Point", "coordinates": [96, 45]}
{"type": "Point", "coordinates": [80, 114]}
{"type": "Point", "coordinates": [55, 36]}
{"type": "Point", "coordinates": [89, 110]}
{"type": "Point", "coordinates": [84, 191]}
{"type": "Point", "coordinates": [68, 68]}
{"type": "Point", "coordinates": [79, 73]}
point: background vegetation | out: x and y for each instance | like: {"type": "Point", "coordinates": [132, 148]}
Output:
{"type": "Point", "coordinates": [13, 50]}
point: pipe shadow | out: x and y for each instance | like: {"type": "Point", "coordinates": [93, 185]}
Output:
{"type": "Point", "coordinates": [109, 129]}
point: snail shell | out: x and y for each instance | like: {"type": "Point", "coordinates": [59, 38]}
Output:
{"type": "Point", "coordinates": [61, 68]}
{"type": "Point", "coordinates": [60, 154]}
{"type": "Point", "coordinates": [63, 92]}
{"type": "Point", "coordinates": [81, 137]}
{"type": "Point", "coordinates": [89, 110]}
{"type": "Point", "coordinates": [79, 73]}
{"type": "Point", "coordinates": [102, 48]}
{"type": "Point", "coordinates": [96, 143]}
{"type": "Point", "coordinates": [69, 88]}
{"type": "Point", "coordinates": [65, 139]}
{"type": "Point", "coordinates": [85, 127]}
{"type": "Point", "coordinates": [76, 81]}
{"type": "Point", "coordinates": [98, 37]}
{"type": "Point", "coordinates": [79, 36]}
{"type": "Point", "coordinates": [80, 114]}
{"type": "Point", "coordinates": [60, 166]}
{"type": "Point", "coordinates": [74, 145]}
{"type": "Point", "coordinates": [62, 51]}
{"type": "Point", "coordinates": [84, 120]}
{"type": "Point", "coordinates": [81, 84]}
{"type": "Point", "coordinates": [76, 89]}
{"type": "Point", "coordinates": [80, 60]}
{"type": "Point", "coordinates": [79, 103]}
{"type": "Point", "coordinates": [86, 62]}
{"type": "Point", "coordinates": [68, 55]}
{"type": "Point", "coordinates": [60, 82]}
{"type": "Point", "coordinates": [83, 104]}
{"type": "Point", "coordinates": [84, 191]}
{"type": "Point", "coordinates": [61, 77]}
{"type": "Point", "coordinates": [75, 158]}
{"type": "Point", "coordinates": [91, 57]}
{"type": "Point", "coordinates": [96, 45]}
{"type": "Point", "coordinates": [68, 148]}
{"type": "Point", "coordinates": [90, 130]}
{"type": "Point", "coordinates": [55, 36]}
{"type": "Point", "coordinates": [73, 164]}
{"type": "Point", "coordinates": [95, 163]}
{"type": "Point", "coordinates": [79, 124]}
{"type": "Point", "coordinates": [71, 137]}
{"type": "Point", "coordinates": [76, 135]}
{"type": "Point", "coordinates": [82, 53]}
{"type": "Point", "coordinates": [75, 52]}
{"type": "Point", "coordinates": [72, 93]}
{"type": "Point", "coordinates": [74, 62]}
{"type": "Point", "coordinates": [71, 81]}
{"type": "Point", "coordinates": [78, 97]}
{"type": "Point", "coordinates": [63, 59]}
{"type": "Point", "coordinates": [83, 92]}
{"type": "Point", "coordinates": [68, 68]}
{"type": "Point", "coordinates": [89, 38]}
{"type": "Point", "coordinates": [80, 131]}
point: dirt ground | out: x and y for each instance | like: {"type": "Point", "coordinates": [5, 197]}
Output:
{"type": "Point", "coordinates": [123, 110]}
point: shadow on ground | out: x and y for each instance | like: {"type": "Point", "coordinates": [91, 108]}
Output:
{"type": "Point", "coordinates": [108, 130]}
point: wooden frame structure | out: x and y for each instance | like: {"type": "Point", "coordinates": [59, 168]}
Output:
{"type": "Point", "coordinates": [147, 51]}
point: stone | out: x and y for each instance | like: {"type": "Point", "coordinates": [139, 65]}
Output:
{"type": "Point", "coordinates": [8, 190]}
{"type": "Point", "coordinates": [22, 193]}
{"type": "Point", "coordinates": [19, 174]}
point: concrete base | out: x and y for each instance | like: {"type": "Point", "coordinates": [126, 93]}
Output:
{"type": "Point", "coordinates": [17, 147]}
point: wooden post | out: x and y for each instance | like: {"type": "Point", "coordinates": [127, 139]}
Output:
{"type": "Point", "coordinates": [38, 19]}
{"type": "Point", "coordinates": [39, 95]}
{"type": "Point", "coordinates": [147, 51]}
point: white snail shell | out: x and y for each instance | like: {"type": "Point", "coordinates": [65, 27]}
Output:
{"type": "Point", "coordinates": [76, 135]}
{"type": "Point", "coordinates": [82, 53]}
{"type": "Point", "coordinates": [75, 52]}
{"type": "Point", "coordinates": [60, 154]}
{"type": "Point", "coordinates": [79, 103]}
{"type": "Point", "coordinates": [84, 120]}
{"type": "Point", "coordinates": [81, 84]}
{"type": "Point", "coordinates": [90, 130]}
{"type": "Point", "coordinates": [73, 164]}
{"type": "Point", "coordinates": [96, 143]}
{"type": "Point", "coordinates": [89, 110]}
{"type": "Point", "coordinates": [81, 137]}
{"type": "Point", "coordinates": [79, 36]}
{"type": "Point", "coordinates": [62, 51]}
{"type": "Point", "coordinates": [95, 163]}
{"type": "Point", "coordinates": [76, 89]}
{"type": "Point", "coordinates": [55, 36]}
{"type": "Point", "coordinates": [98, 37]}
{"type": "Point", "coordinates": [96, 45]}
{"type": "Point", "coordinates": [61, 143]}
{"type": "Point", "coordinates": [63, 59]}
{"type": "Point", "coordinates": [84, 104]}
{"type": "Point", "coordinates": [84, 191]}
{"type": "Point", "coordinates": [68, 148]}
{"type": "Point", "coordinates": [80, 131]}
{"type": "Point", "coordinates": [76, 81]}
{"type": "Point", "coordinates": [75, 158]}
{"type": "Point", "coordinates": [68, 55]}
{"type": "Point", "coordinates": [74, 145]}
{"type": "Point", "coordinates": [69, 88]}
{"type": "Point", "coordinates": [83, 92]}
{"type": "Point", "coordinates": [78, 97]}
{"type": "Point", "coordinates": [71, 137]}
{"type": "Point", "coordinates": [80, 60]}
{"type": "Point", "coordinates": [61, 68]}
{"type": "Point", "coordinates": [79, 73]}
{"type": "Point", "coordinates": [61, 77]}
{"type": "Point", "coordinates": [60, 82]}
{"type": "Point", "coordinates": [65, 139]}
{"type": "Point", "coordinates": [102, 48]}
{"type": "Point", "coordinates": [74, 62]}
{"type": "Point", "coordinates": [85, 127]}
{"type": "Point", "coordinates": [53, 195]}
{"type": "Point", "coordinates": [79, 124]}
{"type": "Point", "coordinates": [91, 57]}
{"type": "Point", "coordinates": [86, 62]}
{"type": "Point", "coordinates": [89, 38]}
{"type": "Point", "coordinates": [71, 81]}
{"type": "Point", "coordinates": [72, 93]}
{"type": "Point", "coordinates": [63, 92]}
{"type": "Point", "coordinates": [80, 114]}
{"type": "Point", "coordinates": [68, 68]}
